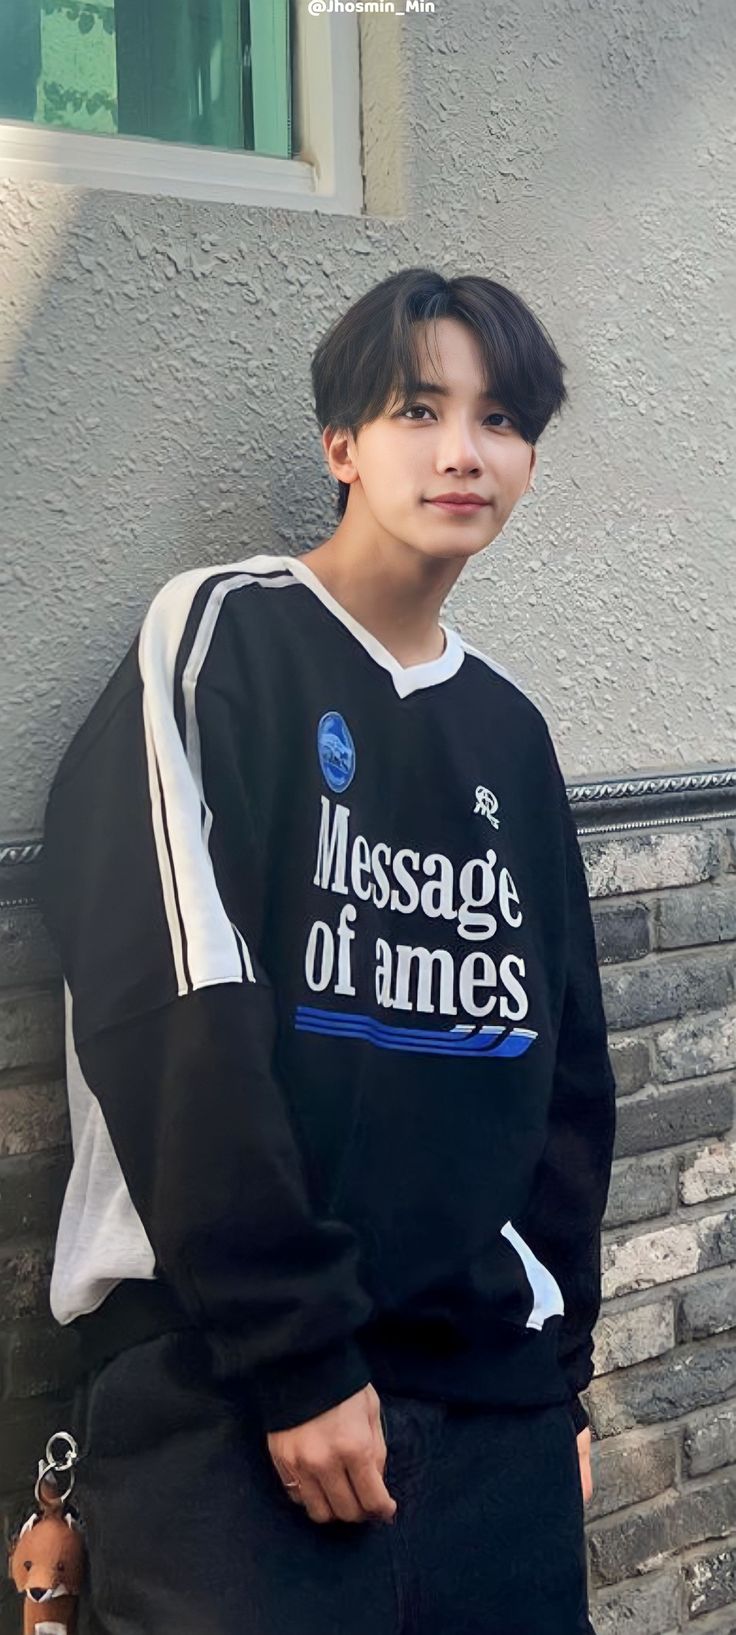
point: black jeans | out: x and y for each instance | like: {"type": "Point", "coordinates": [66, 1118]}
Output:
{"type": "Point", "coordinates": [190, 1531]}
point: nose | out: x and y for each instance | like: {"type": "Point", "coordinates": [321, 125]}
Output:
{"type": "Point", "coordinates": [37, 1595]}
{"type": "Point", "coordinates": [457, 449]}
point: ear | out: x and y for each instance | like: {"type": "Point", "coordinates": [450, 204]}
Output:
{"type": "Point", "coordinates": [532, 469]}
{"type": "Point", "coordinates": [336, 442]}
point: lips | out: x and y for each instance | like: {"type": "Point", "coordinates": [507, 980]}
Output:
{"type": "Point", "coordinates": [459, 502]}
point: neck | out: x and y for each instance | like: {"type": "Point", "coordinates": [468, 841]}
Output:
{"type": "Point", "coordinates": [392, 590]}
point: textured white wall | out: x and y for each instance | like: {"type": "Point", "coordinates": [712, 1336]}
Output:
{"type": "Point", "coordinates": [156, 409]}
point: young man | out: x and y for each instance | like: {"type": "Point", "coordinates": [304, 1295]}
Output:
{"type": "Point", "coordinates": [342, 1105]}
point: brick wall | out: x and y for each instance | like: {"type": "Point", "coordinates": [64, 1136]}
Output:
{"type": "Point", "coordinates": [661, 1524]}
{"type": "Point", "coordinates": [35, 1362]}
{"type": "Point", "coordinates": [661, 1527]}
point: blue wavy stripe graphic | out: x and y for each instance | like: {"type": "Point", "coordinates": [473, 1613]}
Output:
{"type": "Point", "coordinates": [458, 1041]}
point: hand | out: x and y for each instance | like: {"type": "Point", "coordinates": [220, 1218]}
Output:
{"type": "Point", "coordinates": [338, 1459]}
{"type": "Point", "coordinates": [586, 1479]}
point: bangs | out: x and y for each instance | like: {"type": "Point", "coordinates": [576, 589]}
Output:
{"type": "Point", "coordinates": [500, 371]}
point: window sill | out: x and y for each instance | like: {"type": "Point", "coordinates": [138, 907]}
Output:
{"type": "Point", "coordinates": [133, 164]}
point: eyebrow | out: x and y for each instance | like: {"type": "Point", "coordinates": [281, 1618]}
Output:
{"type": "Point", "coordinates": [443, 391]}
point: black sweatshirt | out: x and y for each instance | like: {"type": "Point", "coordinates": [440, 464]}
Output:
{"type": "Point", "coordinates": [337, 1055]}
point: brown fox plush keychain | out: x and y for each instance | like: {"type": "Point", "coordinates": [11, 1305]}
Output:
{"type": "Point", "coordinates": [47, 1556]}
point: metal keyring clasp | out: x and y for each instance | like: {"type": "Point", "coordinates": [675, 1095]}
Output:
{"type": "Point", "coordinates": [52, 1463]}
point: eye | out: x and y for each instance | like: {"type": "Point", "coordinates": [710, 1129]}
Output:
{"type": "Point", "coordinates": [27, 1565]}
{"type": "Point", "coordinates": [411, 407]}
{"type": "Point", "coordinates": [59, 1566]}
{"type": "Point", "coordinates": [496, 414]}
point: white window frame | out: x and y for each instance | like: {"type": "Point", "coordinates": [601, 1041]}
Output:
{"type": "Point", "coordinates": [326, 176]}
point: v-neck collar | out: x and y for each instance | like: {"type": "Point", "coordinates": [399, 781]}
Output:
{"type": "Point", "coordinates": [406, 678]}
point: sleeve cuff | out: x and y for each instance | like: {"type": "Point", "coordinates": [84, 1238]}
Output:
{"type": "Point", "coordinates": [295, 1389]}
{"type": "Point", "coordinates": [580, 1416]}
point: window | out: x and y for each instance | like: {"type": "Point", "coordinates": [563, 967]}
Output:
{"type": "Point", "coordinates": [250, 100]}
{"type": "Point", "coordinates": [210, 72]}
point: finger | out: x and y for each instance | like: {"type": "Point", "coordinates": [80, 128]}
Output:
{"type": "Point", "coordinates": [381, 1448]}
{"type": "Point", "coordinates": [342, 1498]}
{"type": "Point", "coordinates": [288, 1481]}
{"type": "Point", "coordinates": [380, 1439]}
{"type": "Point", "coordinates": [371, 1489]}
{"type": "Point", "coordinates": [315, 1500]}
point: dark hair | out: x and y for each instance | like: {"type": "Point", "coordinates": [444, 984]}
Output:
{"type": "Point", "coordinates": [368, 356]}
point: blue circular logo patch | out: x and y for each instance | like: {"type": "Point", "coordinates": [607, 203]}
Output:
{"type": "Point", "coordinates": [336, 751]}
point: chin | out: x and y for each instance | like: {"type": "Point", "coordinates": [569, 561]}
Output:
{"type": "Point", "coordinates": [459, 549]}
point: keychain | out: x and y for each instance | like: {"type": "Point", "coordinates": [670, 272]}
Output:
{"type": "Point", "coordinates": [47, 1556]}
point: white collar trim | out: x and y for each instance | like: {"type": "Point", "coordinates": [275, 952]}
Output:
{"type": "Point", "coordinates": [406, 678]}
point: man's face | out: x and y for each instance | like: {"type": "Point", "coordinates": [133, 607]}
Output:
{"type": "Point", "coordinates": [440, 442]}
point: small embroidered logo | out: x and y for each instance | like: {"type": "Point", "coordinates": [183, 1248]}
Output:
{"type": "Point", "coordinates": [336, 751]}
{"type": "Point", "coordinates": [486, 804]}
